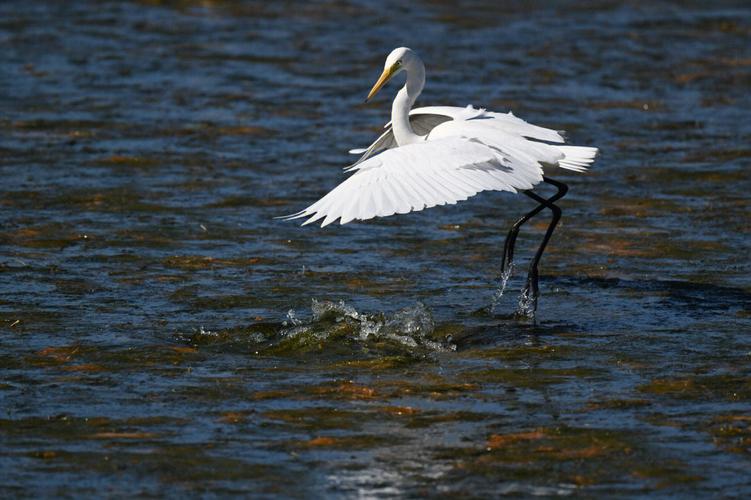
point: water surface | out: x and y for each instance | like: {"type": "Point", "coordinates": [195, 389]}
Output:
{"type": "Point", "coordinates": [161, 333]}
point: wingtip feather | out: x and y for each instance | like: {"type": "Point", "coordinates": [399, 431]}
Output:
{"type": "Point", "coordinates": [295, 215]}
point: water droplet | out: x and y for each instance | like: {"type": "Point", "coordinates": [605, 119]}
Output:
{"type": "Point", "coordinates": [501, 287]}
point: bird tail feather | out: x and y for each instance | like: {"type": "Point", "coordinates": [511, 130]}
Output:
{"type": "Point", "coordinates": [577, 158]}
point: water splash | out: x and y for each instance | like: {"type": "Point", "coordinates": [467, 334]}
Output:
{"type": "Point", "coordinates": [335, 327]}
{"type": "Point", "coordinates": [410, 327]}
{"type": "Point", "coordinates": [505, 275]}
{"type": "Point", "coordinates": [206, 333]}
{"type": "Point", "coordinates": [292, 319]}
{"type": "Point", "coordinates": [527, 305]}
{"type": "Point", "coordinates": [338, 311]}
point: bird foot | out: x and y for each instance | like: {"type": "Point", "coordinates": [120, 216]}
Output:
{"type": "Point", "coordinates": [528, 297]}
{"type": "Point", "coordinates": [527, 305]}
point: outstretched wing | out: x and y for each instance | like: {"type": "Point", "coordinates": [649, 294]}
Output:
{"type": "Point", "coordinates": [419, 176]}
{"type": "Point", "coordinates": [425, 119]}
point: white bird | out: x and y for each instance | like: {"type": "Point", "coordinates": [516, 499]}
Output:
{"type": "Point", "coordinates": [440, 155]}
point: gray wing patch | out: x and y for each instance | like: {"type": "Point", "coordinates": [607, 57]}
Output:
{"type": "Point", "coordinates": [384, 142]}
{"type": "Point", "coordinates": [422, 124]}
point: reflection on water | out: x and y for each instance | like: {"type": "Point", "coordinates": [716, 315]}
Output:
{"type": "Point", "coordinates": [148, 346]}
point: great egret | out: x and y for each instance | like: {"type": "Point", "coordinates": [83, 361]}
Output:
{"type": "Point", "coordinates": [442, 154]}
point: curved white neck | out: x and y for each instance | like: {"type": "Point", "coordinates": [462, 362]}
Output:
{"type": "Point", "coordinates": [403, 102]}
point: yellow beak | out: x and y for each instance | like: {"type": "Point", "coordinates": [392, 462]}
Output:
{"type": "Point", "coordinates": [387, 74]}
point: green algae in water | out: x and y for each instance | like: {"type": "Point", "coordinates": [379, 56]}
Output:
{"type": "Point", "coordinates": [725, 386]}
{"type": "Point", "coordinates": [578, 456]}
{"type": "Point", "coordinates": [532, 378]}
{"type": "Point", "coordinates": [319, 418]}
{"type": "Point", "coordinates": [188, 465]}
{"type": "Point", "coordinates": [732, 432]}
{"type": "Point", "coordinates": [350, 443]}
{"type": "Point", "coordinates": [335, 328]}
{"type": "Point", "coordinates": [617, 404]}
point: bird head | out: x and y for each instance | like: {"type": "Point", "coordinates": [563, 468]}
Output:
{"type": "Point", "coordinates": [398, 60]}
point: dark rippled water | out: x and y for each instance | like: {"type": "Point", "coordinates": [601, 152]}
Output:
{"type": "Point", "coordinates": [161, 333]}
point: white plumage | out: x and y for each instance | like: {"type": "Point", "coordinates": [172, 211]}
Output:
{"type": "Point", "coordinates": [439, 155]}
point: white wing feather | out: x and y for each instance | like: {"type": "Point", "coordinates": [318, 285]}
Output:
{"type": "Point", "coordinates": [425, 119]}
{"type": "Point", "coordinates": [422, 175]}
{"type": "Point", "coordinates": [467, 150]}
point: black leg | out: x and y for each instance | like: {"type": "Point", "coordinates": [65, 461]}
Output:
{"type": "Point", "coordinates": [510, 243]}
{"type": "Point", "coordinates": [508, 246]}
{"type": "Point", "coordinates": [531, 290]}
